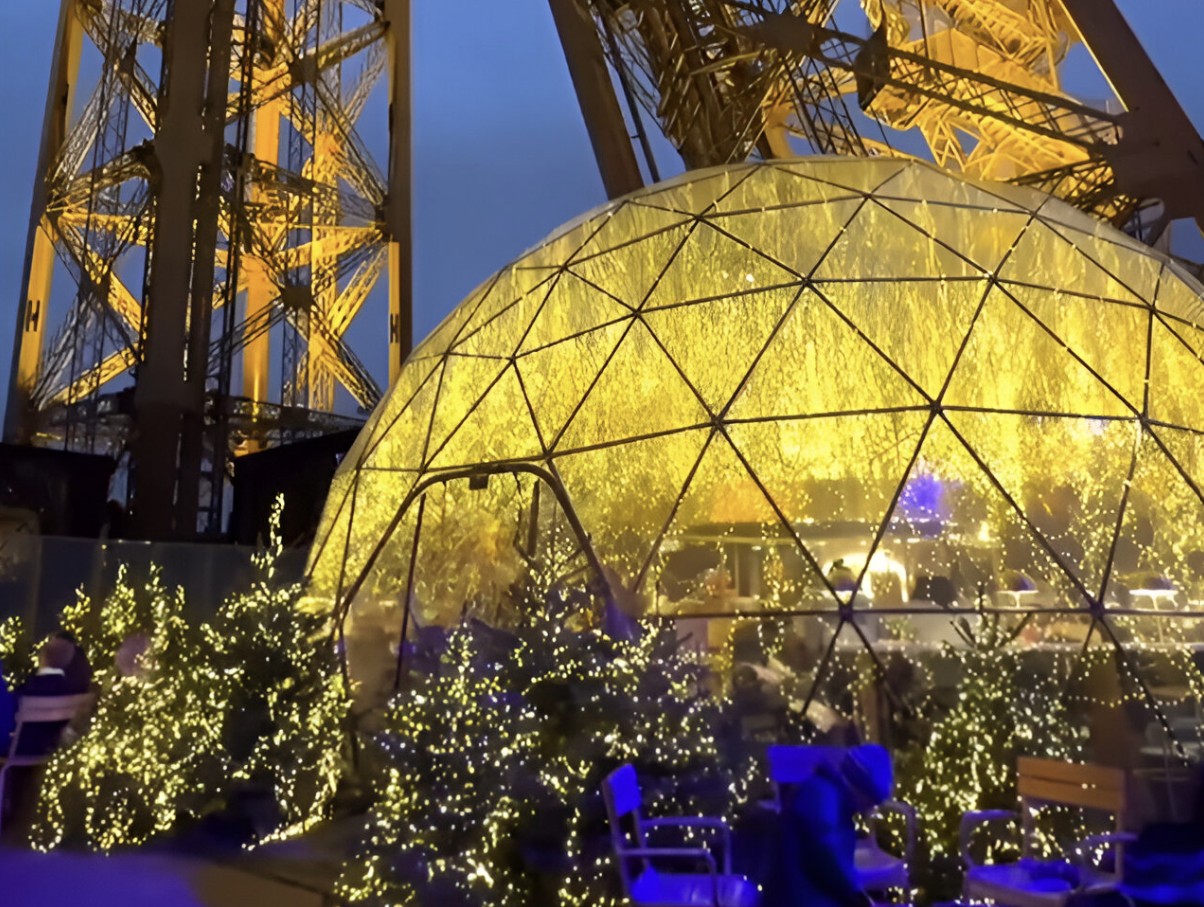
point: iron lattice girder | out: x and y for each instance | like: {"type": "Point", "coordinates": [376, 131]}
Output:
{"type": "Point", "coordinates": [103, 22]}
{"type": "Point", "coordinates": [354, 166]}
{"type": "Point", "coordinates": [303, 73]}
{"type": "Point", "coordinates": [757, 59]}
{"type": "Point", "coordinates": [1050, 115]}
{"type": "Point", "coordinates": [247, 418]}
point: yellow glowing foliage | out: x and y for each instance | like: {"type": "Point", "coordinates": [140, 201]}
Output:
{"type": "Point", "coordinates": [810, 342]}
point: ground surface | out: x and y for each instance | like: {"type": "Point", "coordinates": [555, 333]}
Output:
{"type": "Point", "coordinates": [32, 879]}
{"type": "Point", "coordinates": [296, 873]}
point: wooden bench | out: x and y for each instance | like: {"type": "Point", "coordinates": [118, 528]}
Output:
{"type": "Point", "coordinates": [1049, 782]}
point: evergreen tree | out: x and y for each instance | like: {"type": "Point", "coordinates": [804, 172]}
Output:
{"type": "Point", "coordinates": [252, 699]}
{"type": "Point", "coordinates": [489, 786]}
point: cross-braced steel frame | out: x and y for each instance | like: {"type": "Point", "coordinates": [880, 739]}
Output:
{"type": "Point", "coordinates": [204, 187]}
{"type": "Point", "coordinates": [977, 80]}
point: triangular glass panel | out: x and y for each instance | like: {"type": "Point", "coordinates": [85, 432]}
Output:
{"type": "Point", "coordinates": [776, 187]}
{"type": "Point", "coordinates": [571, 307]}
{"type": "Point", "coordinates": [1059, 213]}
{"type": "Point", "coordinates": [630, 223]}
{"type": "Point", "coordinates": [1110, 337]}
{"type": "Point", "coordinates": [833, 479]}
{"type": "Point", "coordinates": [1129, 263]}
{"type": "Point", "coordinates": [500, 336]}
{"type": "Point", "coordinates": [398, 404]}
{"type": "Point", "coordinates": [627, 275]}
{"type": "Point", "coordinates": [1006, 539]}
{"type": "Point", "coordinates": [726, 529]}
{"type": "Point", "coordinates": [1159, 558]}
{"type": "Point", "coordinates": [638, 371]}
{"type": "Point", "coordinates": [918, 324]}
{"type": "Point", "coordinates": [445, 333]}
{"type": "Point", "coordinates": [1012, 363]}
{"type": "Point", "coordinates": [715, 342]}
{"type": "Point", "coordinates": [1024, 197]}
{"type": "Point", "coordinates": [835, 697]}
{"type": "Point", "coordinates": [341, 562]}
{"type": "Point", "coordinates": [879, 245]}
{"type": "Point", "coordinates": [499, 428]}
{"type": "Point", "coordinates": [465, 381]}
{"type": "Point", "coordinates": [817, 364]}
{"type": "Point", "coordinates": [557, 377]}
{"type": "Point", "coordinates": [567, 243]}
{"type": "Point", "coordinates": [327, 554]}
{"type": "Point", "coordinates": [1185, 449]}
{"type": "Point", "coordinates": [1176, 376]}
{"type": "Point", "coordinates": [794, 238]}
{"type": "Point", "coordinates": [1179, 298]}
{"type": "Point", "coordinates": [712, 264]}
{"type": "Point", "coordinates": [1068, 474]}
{"type": "Point", "coordinates": [983, 237]}
{"type": "Point", "coordinates": [513, 284]}
{"type": "Point", "coordinates": [400, 441]}
{"type": "Point", "coordinates": [920, 183]}
{"type": "Point", "coordinates": [1043, 257]}
{"type": "Point", "coordinates": [860, 176]}
{"type": "Point", "coordinates": [639, 480]}
{"type": "Point", "coordinates": [698, 193]}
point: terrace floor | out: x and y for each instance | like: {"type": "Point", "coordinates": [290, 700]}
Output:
{"type": "Point", "coordinates": [298, 873]}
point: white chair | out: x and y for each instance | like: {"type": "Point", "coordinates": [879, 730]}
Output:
{"type": "Point", "coordinates": [31, 712]}
{"type": "Point", "coordinates": [648, 886]}
{"type": "Point", "coordinates": [878, 870]}
{"type": "Point", "coordinates": [1026, 884]}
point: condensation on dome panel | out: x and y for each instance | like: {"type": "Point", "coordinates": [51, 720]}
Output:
{"type": "Point", "coordinates": [782, 388]}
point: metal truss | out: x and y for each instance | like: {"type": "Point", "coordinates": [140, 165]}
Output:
{"type": "Point", "coordinates": [196, 245]}
{"type": "Point", "coordinates": [978, 80]}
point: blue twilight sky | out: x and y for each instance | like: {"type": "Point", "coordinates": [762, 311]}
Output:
{"type": "Point", "coordinates": [501, 153]}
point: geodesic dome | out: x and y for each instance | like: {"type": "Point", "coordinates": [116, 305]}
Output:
{"type": "Point", "coordinates": [865, 368]}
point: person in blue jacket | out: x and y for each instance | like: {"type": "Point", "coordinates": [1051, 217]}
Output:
{"type": "Point", "coordinates": [818, 836]}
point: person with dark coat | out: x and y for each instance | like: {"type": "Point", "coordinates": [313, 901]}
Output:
{"type": "Point", "coordinates": [817, 838]}
{"type": "Point", "coordinates": [50, 679]}
{"type": "Point", "coordinates": [78, 673]}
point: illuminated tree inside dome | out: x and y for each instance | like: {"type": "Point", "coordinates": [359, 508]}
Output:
{"type": "Point", "coordinates": [823, 386]}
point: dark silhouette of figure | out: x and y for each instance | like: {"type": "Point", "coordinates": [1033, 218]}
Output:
{"type": "Point", "coordinates": [815, 862]}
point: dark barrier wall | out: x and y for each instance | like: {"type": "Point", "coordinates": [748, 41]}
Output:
{"type": "Point", "coordinates": [67, 491]}
{"type": "Point", "coordinates": [301, 472]}
{"type": "Point", "coordinates": [41, 574]}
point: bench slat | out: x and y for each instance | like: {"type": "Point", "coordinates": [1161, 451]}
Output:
{"type": "Point", "coordinates": [1063, 793]}
{"type": "Point", "coordinates": [1100, 776]}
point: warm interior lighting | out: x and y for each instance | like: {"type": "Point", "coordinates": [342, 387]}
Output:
{"type": "Point", "coordinates": [806, 357]}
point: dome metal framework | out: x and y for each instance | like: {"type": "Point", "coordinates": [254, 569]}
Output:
{"type": "Point", "coordinates": [824, 388]}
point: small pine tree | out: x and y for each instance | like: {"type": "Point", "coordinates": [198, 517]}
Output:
{"type": "Point", "coordinates": [490, 767]}
{"type": "Point", "coordinates": [17, 658]}
{"type": "Point", "coordinates": [254, 697]}
{"type": "Point", "coordinates": [152, 752]}
{"type": "Point", "coordinates": [968, 760]}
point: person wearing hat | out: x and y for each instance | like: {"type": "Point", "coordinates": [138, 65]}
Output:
{"type": "Point", "coordinates": [817, 834]}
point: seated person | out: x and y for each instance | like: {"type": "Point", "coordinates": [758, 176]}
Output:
{"type": "Point", "coordinates": [78, 672]}
{"type": "Point", "coordinates": [817, 838]}
{"type": "Point", "coordinates": [50, 679]}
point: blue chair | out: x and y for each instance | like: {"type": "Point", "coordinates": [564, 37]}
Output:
{"type": "Point", "coordinates": [647, 885]}
{"type": "Point", "coordinates": [41, 721]}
